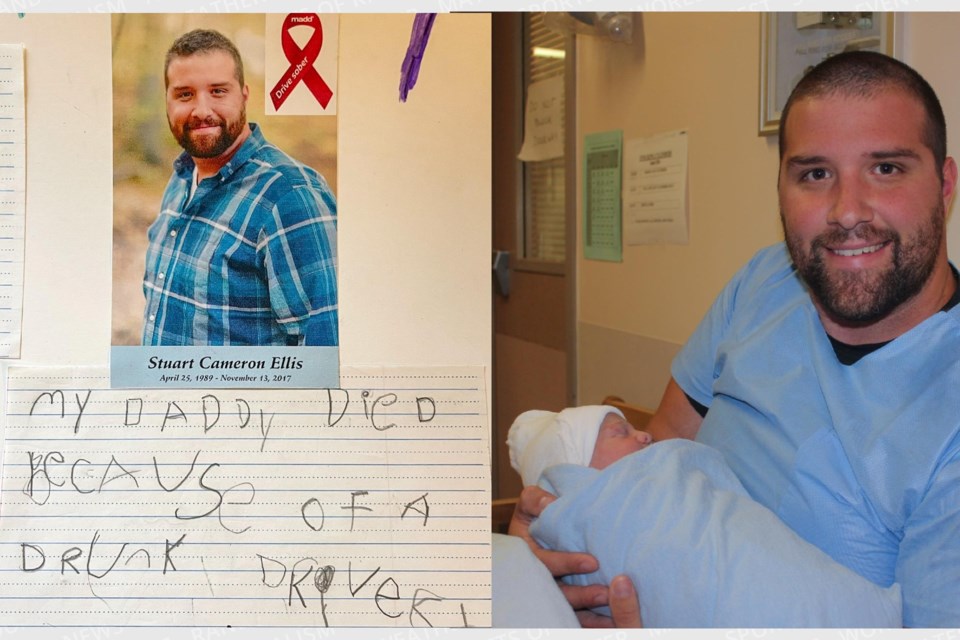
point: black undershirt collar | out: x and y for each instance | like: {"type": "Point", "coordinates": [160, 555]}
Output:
{"type": "Point", "coordinates": [851, 353]}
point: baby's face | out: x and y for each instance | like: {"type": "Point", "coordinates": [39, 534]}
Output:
{"type": "Point", "coordinates": [616, 439]}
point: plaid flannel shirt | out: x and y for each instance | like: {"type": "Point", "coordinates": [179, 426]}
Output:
{"type": "Point", "coordinates": [249, 260]}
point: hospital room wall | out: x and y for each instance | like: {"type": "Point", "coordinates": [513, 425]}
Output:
{"type": "Point", "coordinates": [698, 72]}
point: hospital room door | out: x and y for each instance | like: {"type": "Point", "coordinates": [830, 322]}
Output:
{"type": "Point", "coordinates": [532, 300]}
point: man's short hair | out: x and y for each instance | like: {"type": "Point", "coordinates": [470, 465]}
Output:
{"type": "Point", "coordinates": [203, 41]}
{"type": "Point", "coordinates": [864, 74]}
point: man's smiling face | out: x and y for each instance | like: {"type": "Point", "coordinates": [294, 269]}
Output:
{"type": "Point", "coordinates": [206, 106]}
{"type": "Point", "coordinates": [862, 203]}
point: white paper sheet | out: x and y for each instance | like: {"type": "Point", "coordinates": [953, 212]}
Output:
{"type": "Point", "coordinates": [655, 189]}
{"type": "Point", "coordinates": [543, 121]}
{"type": "Point", "coordinates": [12, 197]}
{"type": "Point", "coordinates": [366, 505]}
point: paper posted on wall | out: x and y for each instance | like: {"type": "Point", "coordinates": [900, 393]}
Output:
{"type": "Point", "coordinates": [13, 189]}
{"type": "Point", "coordinates": [655, 189]}
{"type": "Point", "coordinates": [363, 505]}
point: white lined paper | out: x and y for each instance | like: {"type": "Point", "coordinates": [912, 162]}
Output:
{"type": "Point", "coordinates": [361, 506]}
{"type": "Point", "coordinates": [12, 197]}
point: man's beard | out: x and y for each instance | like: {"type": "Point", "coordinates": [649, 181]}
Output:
{"type": "Point", "coordinates": [205, 146]}
{"type": "Point", "coordinates": [862, 297]}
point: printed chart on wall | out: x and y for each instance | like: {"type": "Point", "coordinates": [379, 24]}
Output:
{"type": "Point", "coordinates": [362, 505]}
{"type": "Point", "coordinates": [12, 197]}
{"type": "Point", "coordinates": [601, 196]}
{"type": "Point", "coordinates": [655, 189]}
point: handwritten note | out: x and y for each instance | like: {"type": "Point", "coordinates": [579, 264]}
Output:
{"type": "Point", "coordinates": [365, 505]}
{"type": "Point", "coordinates": [543, 121]}
{"type": "Point", "coordinates": [12, 197]}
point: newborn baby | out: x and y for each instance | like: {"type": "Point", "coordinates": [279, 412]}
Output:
{"type": "Point", "coordinates": [673, 517]}
{"type": "Point", "coordinates": [593, 436]}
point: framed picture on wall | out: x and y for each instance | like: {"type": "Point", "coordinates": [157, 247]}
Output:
{"type": "Point", "coordinates": [792, 42]}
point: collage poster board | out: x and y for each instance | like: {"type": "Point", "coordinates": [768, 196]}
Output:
{"type": "Point", "coordinates": [400, 317]}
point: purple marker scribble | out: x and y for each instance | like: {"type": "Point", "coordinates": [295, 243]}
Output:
{"type": "Point", "coordinates": [422, 24]}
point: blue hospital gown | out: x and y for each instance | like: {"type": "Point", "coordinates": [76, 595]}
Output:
{"type": "Point", "coordinates": [861, 460]}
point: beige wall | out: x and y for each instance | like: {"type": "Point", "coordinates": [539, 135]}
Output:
{"type": "Point", "coordinates": [697, 71]}
{"type": "Point", "coordinates": [414, 194]}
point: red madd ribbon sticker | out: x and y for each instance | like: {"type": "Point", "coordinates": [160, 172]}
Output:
{"type": "Point", "coordinates": [301, 61]}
